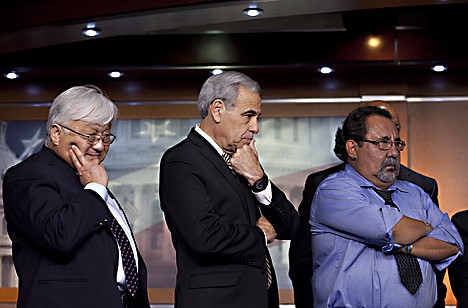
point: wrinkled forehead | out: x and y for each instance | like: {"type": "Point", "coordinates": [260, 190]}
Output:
{"type": "Point", "coordinates": [381, 127]}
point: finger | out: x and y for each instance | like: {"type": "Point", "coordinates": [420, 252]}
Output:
{"type": "Point", "coordinates": [74, 158]}
{"type": "Point", "coordinates": [78, 154]}
{"type": "Point", "coordinates": [252, 146]}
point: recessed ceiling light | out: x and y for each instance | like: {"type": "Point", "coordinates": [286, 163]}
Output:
{"type": "Point", "coordinates": [11, 75]}
{"type": "Point", "coordinates": [115, 74]}
{"type": "Point", "coordinates": [253, 11]}
{"type": "Point", "coordinates": [325, 70]}
{"type": "Point", "coordinates": [91, 30]}
{"type": "Point", "coordinates": [439, 68]}
{"type": "Point", "coordinates": [216, 71]}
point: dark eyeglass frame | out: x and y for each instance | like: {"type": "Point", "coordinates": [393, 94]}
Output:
{"type": "Point", "coordinates": [94, 138]}
{"type": "Point", "coordinates": [386, 145]}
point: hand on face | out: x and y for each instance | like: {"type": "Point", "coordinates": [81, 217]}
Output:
{"type": "Point", "coordinates": [245, 162]}
{"type": "Point", "coordinates": [88, 170]}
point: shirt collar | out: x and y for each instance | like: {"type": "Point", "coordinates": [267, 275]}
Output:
{"type": "Point", "coordinates": [209, 139]}
{"type": "Point", "coordinates": [363, 182]}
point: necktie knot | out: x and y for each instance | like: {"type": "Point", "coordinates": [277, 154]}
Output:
{"type": "Point", "coordinates": [386, 195]}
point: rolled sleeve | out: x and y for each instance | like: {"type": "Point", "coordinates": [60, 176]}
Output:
{"type": "Point", "coordinates": [447, 232]}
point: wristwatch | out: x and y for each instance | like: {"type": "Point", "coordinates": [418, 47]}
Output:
{"type": "Point", "coordinates": [428, 227]}
{"type": "Point", "coordinates": [261, 184]}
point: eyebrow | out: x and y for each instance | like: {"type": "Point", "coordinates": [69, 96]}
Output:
{"type": "Point", "coordinates": [386, 138]}
{"type": "Point", "coordinates": [251, 112]}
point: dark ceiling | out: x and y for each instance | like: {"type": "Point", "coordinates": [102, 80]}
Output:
{"type": "Point", "coordinates": [184, 39]}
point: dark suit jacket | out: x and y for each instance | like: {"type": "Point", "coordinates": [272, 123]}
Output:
{"type": "Point", "coordinates": [211, 215]}
{"type": "Point", "coordinates": [300, 252]}
{"type": "Point", "coordinates": [63, 249]}
{"type": "Point", "coordinates": [458, 270]}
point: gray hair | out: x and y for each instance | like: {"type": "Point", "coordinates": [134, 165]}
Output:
{"type": "Point", "coordinates": [224, 86]}
{"type": "Point", "coordinates": [86, 103]}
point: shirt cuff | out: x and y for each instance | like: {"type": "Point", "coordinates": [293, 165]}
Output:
{"type": "Point", "coordinates": [98, 188]}
{"type": "Point", "coordinates": [391, 245]}
{"type": "Point", "coordinates": [265, 196]}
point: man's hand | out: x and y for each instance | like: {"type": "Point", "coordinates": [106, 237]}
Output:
{"type": "Point", "coordinates": [89, 171]}
{"type": "Point", "coordinates": [267, 228]}
{"type": "Point", "coordinates": [245, 163]}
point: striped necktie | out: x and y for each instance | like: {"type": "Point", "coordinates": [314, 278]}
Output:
{"type": "Point", "coordinates": [268, 268]}
{"type": "Point", "coordinates": [128, 258]}
{"type": "Point", "coordinates": [408, 266]}
{"type": "Point", "coordinates": [227, 159]}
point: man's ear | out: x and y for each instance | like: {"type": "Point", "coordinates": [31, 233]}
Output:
{"type": "Point", "coordinates": [351, 148]}
{"type": "Point", "coordinates": [217, 108]}
{"type": "Point", "coordinates": [55, 134]}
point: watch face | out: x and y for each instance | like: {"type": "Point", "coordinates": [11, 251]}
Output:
{"type": "Point", "coordinates": [260, 185]}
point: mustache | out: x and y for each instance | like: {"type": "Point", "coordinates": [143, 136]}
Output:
{"type": "Point", "coordinates": [390, 162]}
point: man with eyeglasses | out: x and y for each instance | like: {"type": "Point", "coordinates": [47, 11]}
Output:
{"type": "Point", "coordinates": [67, 229]}
{"type": "Point", "coordinates": [300, 254]}
{"type": "Point", "coordinates": [376, 239]}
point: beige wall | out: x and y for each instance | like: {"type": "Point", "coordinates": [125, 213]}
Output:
{"type": "Point", "coordinates": [439, 145]}
{"type": "Point", "coordinates": [437, 148]}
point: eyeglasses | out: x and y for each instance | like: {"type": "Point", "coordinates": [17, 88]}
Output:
{"type": "Point", "coordinates": [386, 145]}
{"type": "Point", "coordinates": [94, 138]}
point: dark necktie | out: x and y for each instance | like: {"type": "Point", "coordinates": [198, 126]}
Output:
{"type": "Point", "coordinates": [227, 160]}
{"type": "Point", "coordinates": [128, 258]}
{"type": "Point", "coordinates": [408, 266]}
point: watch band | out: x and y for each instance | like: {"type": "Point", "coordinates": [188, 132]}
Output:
{"type": "Point", "coordinates": [261, 184]}
{"type": "Point", "coordinates": [409, 248]}
{"type": "Point", "coordinates": [428, 227]}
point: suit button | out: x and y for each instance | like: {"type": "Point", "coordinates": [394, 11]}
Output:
{"type": "Point", "coordinates": [103, 222]}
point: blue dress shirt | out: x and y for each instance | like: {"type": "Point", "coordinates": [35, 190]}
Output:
{"type": "Point", "coordinates": [352, 242]}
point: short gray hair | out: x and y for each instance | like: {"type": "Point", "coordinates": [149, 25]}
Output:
{"type": "Point", "coordinates": [224, 86]}
{"type": "Point", "coordinates": [86, 103]}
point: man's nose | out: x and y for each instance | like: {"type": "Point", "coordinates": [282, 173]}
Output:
{"type": "Point", "coordinates": [393, 152]}
{"type": "Point", "coordinates": [254, 126]}
{"type": "Point", "coordinates": [99, 145]}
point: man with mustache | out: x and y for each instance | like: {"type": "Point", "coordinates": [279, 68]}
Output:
{"type": "Point", "coordinates": [300, 254]}
{"type": "Point", "coordinates": [364, 221]}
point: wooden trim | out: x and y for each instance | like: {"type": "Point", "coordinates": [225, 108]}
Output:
{"type": "Point", "coordinates": [8, 296]}
{"type": "Point", "coordinates": [157, 296]}
{"type": "Point", "coordinates": [185, 110]}
{"type": "Point", "coordinates": [286, 296]}
{"type": "Point", "coordinates": [161, 295]}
